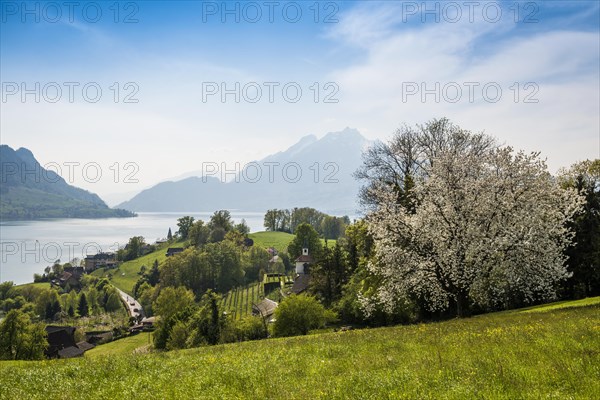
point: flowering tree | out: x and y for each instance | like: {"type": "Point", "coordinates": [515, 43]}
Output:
{"type": "Point", "coordinates": [488, 229]}
{"type": "Point", "coordinates": [394, 166]}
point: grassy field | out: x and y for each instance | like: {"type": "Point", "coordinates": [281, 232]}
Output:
{"type": "Point", "coordinates": [41, 285]}
{"type": "Point", "coordinates": [279, 240]}
{"type": "Point", "coordinates": [546, 352]}
{"type": "Point", "coordinates": [127, 275]}
{"type": "Point", "coordinates": [560, 305]}
{"type": "Point", "coordinates": [126, 346]}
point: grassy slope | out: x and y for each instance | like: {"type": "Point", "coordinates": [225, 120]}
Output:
{"type": "Point", "coordinates": [41, 285]}
{"type": "Point", "coordinates": [122, 346]}
{"type": "Point", "coordinates": [127, 275]}
{"type": "Point", "coordinates": [549, 353]}
{"type": "Point", "coordinates": [279, 240]}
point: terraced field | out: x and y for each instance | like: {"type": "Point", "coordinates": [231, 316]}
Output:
{"type": "Point", "coordinates": [238, 302]}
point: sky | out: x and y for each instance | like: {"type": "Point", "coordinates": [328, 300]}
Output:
{"type": "Point", "coordinates": [118, 96]}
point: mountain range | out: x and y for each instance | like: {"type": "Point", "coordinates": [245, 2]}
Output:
{"type": "Point", "coordinates": [29, 191]}
{"type": "Point", "coordinates": [311, 173]}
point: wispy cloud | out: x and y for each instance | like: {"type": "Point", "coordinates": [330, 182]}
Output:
{"type": "Point", "coordinates": [562, 66]}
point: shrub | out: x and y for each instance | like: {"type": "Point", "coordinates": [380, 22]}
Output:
{"type": "Point", "coordinates": [297, 315]}
{"type": "Point", "coordinates": [248, 328]}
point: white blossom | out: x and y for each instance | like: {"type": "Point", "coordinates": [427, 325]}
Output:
{"type": "Point", "coordinates": [487, 229]}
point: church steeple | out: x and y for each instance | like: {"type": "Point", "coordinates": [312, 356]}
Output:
{"type": "Point", "coordinates": [303, 261]}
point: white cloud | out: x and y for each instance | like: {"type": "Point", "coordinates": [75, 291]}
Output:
{"type": "Point", "coordinates": [563, 125]}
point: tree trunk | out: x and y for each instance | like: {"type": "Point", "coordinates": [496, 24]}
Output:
{"type": "Point", "coordinates": [463, 308]}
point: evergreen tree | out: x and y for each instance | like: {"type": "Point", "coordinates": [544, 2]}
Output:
{"type": "Point", "coordinates": [56, 308]}
{"type": "Point", "coordinates": [48, 313]}
{"type": "Point", "coordinates": [83, 308]}
{"type": "Point", "coordinates": [154, 275]}
{"type": "Point", "coordinates": [169, 235]}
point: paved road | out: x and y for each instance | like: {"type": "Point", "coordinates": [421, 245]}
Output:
{"type": "Point", "coordinates": [133, 307]}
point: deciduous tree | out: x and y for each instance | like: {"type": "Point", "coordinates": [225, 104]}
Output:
{"type": "Point", "coordinates": [172, 300]}
{"type": "Point", "coordinates": [199, 233]}
{"type": "Point", "coordinates": [113, 302]}
{"type": "Point", "coordinates": [221, 219]}
{"type": "Point", "coordinates": [307, 236]}
{"type": "Point", "coordinates": [20, 339]}
{"type": "Point", "coordinates": [184, 224]}
{"type": "Point", "coordinates": [488, 229]}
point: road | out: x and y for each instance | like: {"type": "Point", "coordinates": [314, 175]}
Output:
{"type": "Point", "coordinates": [133, 307]}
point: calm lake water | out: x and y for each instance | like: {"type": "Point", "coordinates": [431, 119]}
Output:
{"type": "Point", "coordinates": [27, 247]}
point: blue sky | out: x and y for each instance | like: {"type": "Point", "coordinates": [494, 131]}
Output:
{"type": "Point", "coordinates": [373, 52]}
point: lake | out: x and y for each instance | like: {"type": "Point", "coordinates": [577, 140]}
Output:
{"type": "Point", "coordinates": [27, 247]}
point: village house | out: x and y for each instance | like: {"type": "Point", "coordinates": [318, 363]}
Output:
{"type": "Point", "coordinates": [265, 309]}
{"type": "Point", "coordinates": [273, 261]}
{"type": "Point", "coordinates": [100, 260]}
{"type": "Point", "coordinates": [61, 342]}
{"type": "Point", "coordinates": [171, 251]}
{"type": "Point", "coordinates": [70, 276]}
{"type": "Point", "coordinates": [149, 322]}
{"type": "Point", "coordinates": [146, 248]}
{"type": "Point", "coordinates": [98, 337]}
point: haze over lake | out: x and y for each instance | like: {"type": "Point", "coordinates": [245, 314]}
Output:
{"type": "Point", "coordinates": [27, 247]}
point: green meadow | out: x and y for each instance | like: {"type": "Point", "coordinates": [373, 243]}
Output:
{"type": "Point", "coordinates": [40, 285]}
{"type": "Point", "coordinates": [127, 274]}
{"type": "Point", "coordinates": [551, 351]}
{"type": "Point", "coordinates": [279, 240]}
{"type": "Point", "coordinates": [265, 239]}
{"type": "Point", "coordinates": [129, 345]}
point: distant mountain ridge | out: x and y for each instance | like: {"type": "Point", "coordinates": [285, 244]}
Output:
{"type": "Point", "coordinates": [28, 191]}
{"type": "Point", "coordinates": [313, 172]}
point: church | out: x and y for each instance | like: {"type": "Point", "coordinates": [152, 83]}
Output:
{"type": "Point", "coordinates": [302, 280]}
